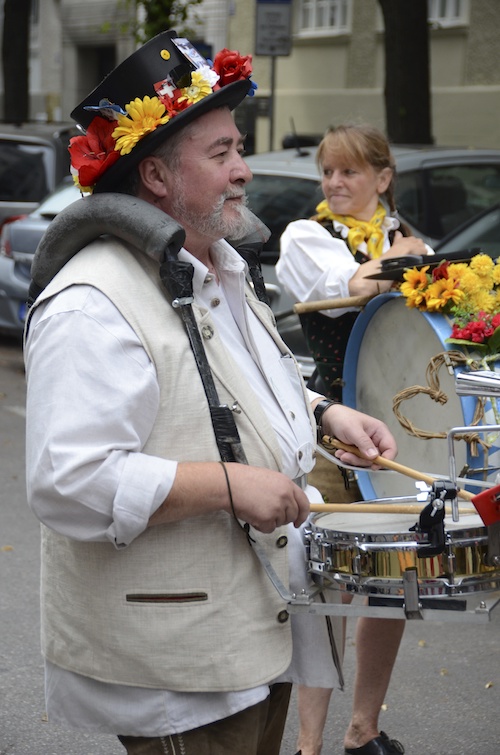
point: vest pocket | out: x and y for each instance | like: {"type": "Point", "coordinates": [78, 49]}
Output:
{"type": "Point", "coordinates": [167, 598]}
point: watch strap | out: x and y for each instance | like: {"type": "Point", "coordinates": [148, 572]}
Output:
{"type": "Point", "coordinates": [320, 409]}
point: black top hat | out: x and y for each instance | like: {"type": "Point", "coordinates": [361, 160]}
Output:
{"type": "Point", "coordinates": [154, 93]}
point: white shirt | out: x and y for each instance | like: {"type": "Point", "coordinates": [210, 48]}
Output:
{"type": "Point", "coordinates": [88, 479]}
{"type": "Point", "coordinates": [314, 265]}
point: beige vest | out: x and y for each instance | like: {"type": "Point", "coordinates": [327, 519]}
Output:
{"type": "Point", "coordinates": [186, 606]}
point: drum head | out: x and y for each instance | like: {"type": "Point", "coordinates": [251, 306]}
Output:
{"type": "Point", "coordinates": [389, 349]}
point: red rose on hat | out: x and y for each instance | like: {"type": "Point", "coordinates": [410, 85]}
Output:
{"type": "Point", "coordinates": [231, 66]}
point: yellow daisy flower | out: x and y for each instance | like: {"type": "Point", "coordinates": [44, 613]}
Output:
{"type": "Point", "coordinates": [443, 292]}
{"type": "Point", "coordinates": [415, 283]}
{"type": "Point", "coordinates": [197, 90]}
{"type": "Point", "coordinates": [144, 116]}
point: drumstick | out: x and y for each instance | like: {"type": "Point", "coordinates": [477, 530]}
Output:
{"type": "Point", "coordinates": [375, 508]}
{"type": "Point", "coordinates": [388, 464]}
{"type": "Point", "coordinates": [315, 306]}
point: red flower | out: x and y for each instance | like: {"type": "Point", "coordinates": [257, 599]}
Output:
{"type": "Point", "coordinates": [94, 153]}
{"type": "Point", "coordinates": [172, 104]}
{"type": "Point", "coordinates": [231, 66]}
{"type": "Point", "coordinates": [477, 331]}
{"type": "Point", "coordinates": [441, 271]}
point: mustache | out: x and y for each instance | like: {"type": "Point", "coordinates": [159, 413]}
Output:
{"type": "Point", "coordinates": [235, 194]}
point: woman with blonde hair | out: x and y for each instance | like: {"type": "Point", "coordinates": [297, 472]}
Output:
{"type": "Point", "coordinates": [331, 256]}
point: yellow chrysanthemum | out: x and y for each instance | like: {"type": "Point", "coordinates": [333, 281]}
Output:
{"type": "Point", "coordinates": [143, 117]}
{"type": "Point", "coordinates": [441, 293]}
{"type": "Point", "coordinates": [457, 270]}
{"type": "Point", "coordinates": [482, 301]}
{"type": "Point", "coordinates": [482, 264]}
{"type": "Point", "coordinates": [197, 90]}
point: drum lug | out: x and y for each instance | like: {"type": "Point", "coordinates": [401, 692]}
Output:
{"type": "Point", "coordinates": [494, 544]}
{"type": "Point", "coordinates": [412, 605]}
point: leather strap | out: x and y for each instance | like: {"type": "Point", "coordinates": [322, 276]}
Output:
{"type": "Point", "coordinates": [320, 409]}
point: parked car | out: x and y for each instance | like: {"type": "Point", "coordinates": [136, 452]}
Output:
{"type": "Point", "coordinates": [18, 242]}
{"type": "Point", "coordinates": [482, 232]}
{"type": "Point", "coordinates": [33, 160]}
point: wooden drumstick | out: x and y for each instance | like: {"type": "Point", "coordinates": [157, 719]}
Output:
{"type": "Point", "coordinates": [394, 465]}
{"type": "Point", "coordinates": [375, 508]}
{"type": "Point", "coordinates": [316, 306]}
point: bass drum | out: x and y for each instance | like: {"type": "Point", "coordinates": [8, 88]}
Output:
{"type": "Point", "coordinates": [389, 349]}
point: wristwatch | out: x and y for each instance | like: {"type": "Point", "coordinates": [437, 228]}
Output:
{"type": "Point", "coordinates": [319, 410]}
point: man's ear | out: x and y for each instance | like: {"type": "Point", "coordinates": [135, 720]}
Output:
{"type": "Point", "coordinates": [154, 175]}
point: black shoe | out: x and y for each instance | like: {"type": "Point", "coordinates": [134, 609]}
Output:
{"type": "Point", "coordinates": [381, 745]}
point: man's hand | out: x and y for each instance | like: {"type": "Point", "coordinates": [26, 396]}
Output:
{"type": "Point", "coordinates": [266, 499]}
{"type": "Point", "coordinates": [263, 498]}
{"type": "Point", "coordinates": [370, 435]}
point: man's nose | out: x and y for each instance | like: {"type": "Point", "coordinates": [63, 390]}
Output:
{"type": "Point", "coordinates": [241, 171]}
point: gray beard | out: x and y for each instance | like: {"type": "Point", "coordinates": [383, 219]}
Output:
{"type": "Point", "coordinates": [213, 224]}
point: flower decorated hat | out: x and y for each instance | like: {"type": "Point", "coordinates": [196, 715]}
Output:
{"type": "Point", "coordinates": [154, 93]}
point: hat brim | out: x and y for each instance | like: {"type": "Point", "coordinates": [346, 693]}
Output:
{"type": "Point", "coordinates": [229, 96]}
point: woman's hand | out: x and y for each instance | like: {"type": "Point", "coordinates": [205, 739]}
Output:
{"type": "Point", "coordinates": [403, 245]}
{"type": "Point", "coordinates": [361, 285]}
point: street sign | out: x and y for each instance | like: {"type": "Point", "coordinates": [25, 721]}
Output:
{"type": "Point", "coordinates": [273, 33]}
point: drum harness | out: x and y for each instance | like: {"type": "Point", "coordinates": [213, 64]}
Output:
{"type": "Point", "coordinates": [160, 237]}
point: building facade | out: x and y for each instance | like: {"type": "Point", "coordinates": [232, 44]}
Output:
{"type": "Point", "coordinates": [334, 72]}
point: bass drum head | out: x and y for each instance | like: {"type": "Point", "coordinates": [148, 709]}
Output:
{"type": "Point", "coordinates": [389, 349]}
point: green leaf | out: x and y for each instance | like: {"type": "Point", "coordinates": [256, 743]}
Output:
{"type": "Point", "coordinates": [494, 342]}
{"type": "Point", "coordinates": [483, 347]}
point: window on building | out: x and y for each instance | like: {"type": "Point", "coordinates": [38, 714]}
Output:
{"type": "Point", "coordinates": [447, 12]}
{"type": "Point", "coordinates": [324, 17]}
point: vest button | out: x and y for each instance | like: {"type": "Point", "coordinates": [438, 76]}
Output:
{"type": "Point", "coordinates": [215, 302]}
{"type": "Point", "coordinates": [207, 331]}
{"type": "Point", "coordinates": [283, 617]}
{"type": "Point", "coordinates": [282, 541]}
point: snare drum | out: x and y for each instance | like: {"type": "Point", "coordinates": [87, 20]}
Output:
{"type": "Point", "coordinates": [368, 553]}
{"type": "Point", "coordinates": [389, 349]}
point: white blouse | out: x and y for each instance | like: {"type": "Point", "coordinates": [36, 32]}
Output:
{"type": "Point", "coordinates": [314, 265]}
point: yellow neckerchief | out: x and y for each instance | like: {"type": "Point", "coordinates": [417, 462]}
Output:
{"type": "Point", "coordinates": [359, 230]}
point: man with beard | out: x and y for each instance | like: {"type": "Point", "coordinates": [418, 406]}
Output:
{"type": "Point", "coordinates": [159, 623]}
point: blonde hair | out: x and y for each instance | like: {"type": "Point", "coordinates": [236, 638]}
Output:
{"type": "Point", "coordinates": [362, 145]}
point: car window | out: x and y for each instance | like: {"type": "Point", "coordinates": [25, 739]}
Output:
{"type": "Point", "coordinates": [438, 200]}
{"type": "Point", "coordinates": [277, 200]}
{"type": "Point", "coordinates": [483, 233]}
{"type": "Point", "coordinates": [23, 172]}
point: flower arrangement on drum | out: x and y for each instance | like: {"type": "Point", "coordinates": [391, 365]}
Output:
{"type": "Point", "coordinates": [469, 292]}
